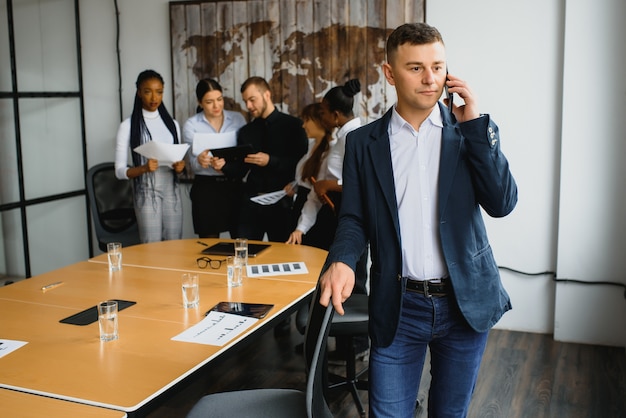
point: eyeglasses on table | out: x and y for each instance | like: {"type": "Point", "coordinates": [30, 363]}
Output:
{"type": "Point", "coordinates": [203, 262]}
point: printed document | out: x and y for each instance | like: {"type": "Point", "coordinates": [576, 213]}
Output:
{"type": "Point", "coordinates": [203, 141]}
{"type": "Point", "coordinates": [217, 328]}
{"type": "Point", "coordinates": [9, 346]}
{"type": "Point", "coordinates": [166, 154]}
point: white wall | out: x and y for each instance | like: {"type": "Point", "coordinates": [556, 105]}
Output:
{"type": "Point", "coordinates": [592, 225]}
{"type": "Point", "coordinates": [518, 84]}
{"type": "Point", "coordinates": [512, 54]}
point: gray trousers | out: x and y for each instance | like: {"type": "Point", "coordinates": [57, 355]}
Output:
{"type": "Point", "coordinates": [159, 208]}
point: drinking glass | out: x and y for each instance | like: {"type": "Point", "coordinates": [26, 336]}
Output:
{"type": "Point", "coordinates": [241, 251]}
{"type": "Point", "coordinates": [114, 251]}
{"type": "Point", "coordinates": [191, 294]}
{"type": "Point", "coordinates": [107, 320]}
{"type": "Point", "coordinates": [234, 271]}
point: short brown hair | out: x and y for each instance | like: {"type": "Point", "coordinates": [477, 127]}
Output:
{"type": "Point", "coordinates": [412, 33]}
{"type": "Point", "coordinates": [256, 81]}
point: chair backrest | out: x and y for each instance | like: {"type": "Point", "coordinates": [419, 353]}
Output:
{"type": "Point", "coordinates": [315, 341]}
{"type": "Point", "coordinates": [111, 202]}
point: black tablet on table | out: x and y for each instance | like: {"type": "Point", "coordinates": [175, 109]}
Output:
{"type": "Point", "coordinates": [228, 248]}
{"type": "Point", "coordinates": [253, 310]}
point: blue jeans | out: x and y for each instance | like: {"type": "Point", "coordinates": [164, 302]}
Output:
{"type": "Point", "coordinates": [455, 349]}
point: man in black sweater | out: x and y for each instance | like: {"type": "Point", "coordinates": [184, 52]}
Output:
{"type": "Point", "coordinates": [278, 142]}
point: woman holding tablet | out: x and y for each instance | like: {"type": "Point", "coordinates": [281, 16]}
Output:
{"type": "Point", "coordinates": [212, 193]}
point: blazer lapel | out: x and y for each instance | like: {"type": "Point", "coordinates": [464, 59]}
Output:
{"type": "Point", "coordinates": [380, 155]}
{"type": "Point", "coordinates": [450, 148]}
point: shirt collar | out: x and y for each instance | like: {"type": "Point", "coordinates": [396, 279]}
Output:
{"type": "Point", "coordinates": [270, 118]}
{"type": "Point", "coordinates": [349, 126]}
{"type": "Point", "coordinates": [397, 122]}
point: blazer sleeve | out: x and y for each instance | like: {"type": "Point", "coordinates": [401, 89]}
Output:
{"type": "Point", "coordinates": [494, 184]}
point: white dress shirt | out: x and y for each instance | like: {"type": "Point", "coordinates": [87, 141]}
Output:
{"type": "Point", "coordinates": [300, 166]}
{"type": "Point", "coordinates": [415, 160]}
{"type": "Point", "coordinates": [330, 169]}
{"type": "Point", "coordinates": [335, 156]}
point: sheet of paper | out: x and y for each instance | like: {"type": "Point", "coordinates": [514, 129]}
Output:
{"type": "Point", "coordinates": [166, 154]}
{"type": "Point", "coordinates": [217, 328]}
{"type": "Point", "coordinates": [276, 269]}
{"type": "Point", "coordinates": [9, 346]}
{"type": "Point", "coordinates": [269, 198]}
{"type": "Point", "coordinates": [202, 141]}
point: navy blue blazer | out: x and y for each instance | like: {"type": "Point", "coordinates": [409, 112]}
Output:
{"type": "Point", "coordinates": [473, 173]}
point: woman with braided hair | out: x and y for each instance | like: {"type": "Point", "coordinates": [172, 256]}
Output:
{"type": "Point", "coordinates": [157, 200]}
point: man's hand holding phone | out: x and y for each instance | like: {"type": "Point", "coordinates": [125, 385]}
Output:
{"type": "Point", "coordinates": [467, 111]}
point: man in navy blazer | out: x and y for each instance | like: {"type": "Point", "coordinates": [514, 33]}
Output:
{"type": "Point", "coordinates": [414, 183]}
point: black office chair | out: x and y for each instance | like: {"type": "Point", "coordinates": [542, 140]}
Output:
{"type": "Point", "coordinates": [111, 204]}
{"type": "Point", "coordinates": [345, 328]}
{"type": "Point", "coordinates": [281, 403]}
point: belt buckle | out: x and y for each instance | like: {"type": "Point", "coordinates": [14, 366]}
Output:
{"type": "Point", "coordinates": [426, 292]}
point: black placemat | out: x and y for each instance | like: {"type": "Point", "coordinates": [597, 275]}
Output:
{"type": "Point", "coordinates": [90, 315]}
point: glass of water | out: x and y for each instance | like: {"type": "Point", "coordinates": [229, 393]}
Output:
{"type": "Point", "coordinates": [234, 274]}
{"type": "Point", "coordinates": [191, 292]}
{"type": "Point", "coordinates": [114, 251]}
{"type": "Point", "coordinates": [241, 251]}
{"type": "Point", "coordinates": [107, 320]}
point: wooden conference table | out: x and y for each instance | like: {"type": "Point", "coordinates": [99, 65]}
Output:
{"type": "Point", "coordinates": [26, 405]}
{"type": "Point", "coordinates": [69, 362]}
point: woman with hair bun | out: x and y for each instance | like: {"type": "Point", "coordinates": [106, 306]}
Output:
{"type": "Point", "coordinates": [156, 193]}
{"type": "Point", "coordinates": [213, 195]}
{"type": "Point", "coordinates": [318, 221]}
{"type": "Point", "coordinates": [336, 112]}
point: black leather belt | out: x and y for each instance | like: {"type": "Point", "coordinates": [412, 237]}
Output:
{"type": "Point", "coordinates": [429, 288]}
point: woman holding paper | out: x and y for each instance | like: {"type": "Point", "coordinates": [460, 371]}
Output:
{"type": "Point", "coordinates": [212, 194]}
{"type": "Point", "coordinates": [158, 205]}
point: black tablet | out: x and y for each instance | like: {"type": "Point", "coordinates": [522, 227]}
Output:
{"type": "Point", "coordinates": [253, 310]}
{"type": "Point", "coordinates": [231, 154]}
{"type": "Point", "coordinates": [228, 248]}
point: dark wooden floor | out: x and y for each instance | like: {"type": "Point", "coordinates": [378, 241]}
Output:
{"type": "Point", "coordinates": [523, 375]}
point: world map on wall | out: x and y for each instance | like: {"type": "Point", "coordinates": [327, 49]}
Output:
{"type": "Point", "coordinates": [293, 62]}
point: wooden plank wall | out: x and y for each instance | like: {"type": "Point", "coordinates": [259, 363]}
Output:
{"type": "Point", "coordinates": [301, 47]}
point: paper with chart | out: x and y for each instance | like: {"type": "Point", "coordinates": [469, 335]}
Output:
{"type": "Point", "coordinates": [272, 197]}
{"type": "Point", "coordinates": [276, 269]}
{"type": "Point", "coordinates": [269, 198]}
{"type": "Point", "coordinates": [217, 328]}
{"type": "Point", "coordinates": [166, 154]}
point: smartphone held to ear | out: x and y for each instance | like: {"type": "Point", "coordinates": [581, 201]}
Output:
{"type": "Point", "coordinates": [449, 96]}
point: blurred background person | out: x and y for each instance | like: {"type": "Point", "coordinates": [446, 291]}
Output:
{"type": "Point", "coordinates": [156, 191]}
{"type": "Point", "coordinates": [312, 165]}
{"type": "Point", "coordinates": [214, 196]}
{"type": "Point", "coordinates": [278, 141]}
{"type": "Point", "coordinates": [318, 222]}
